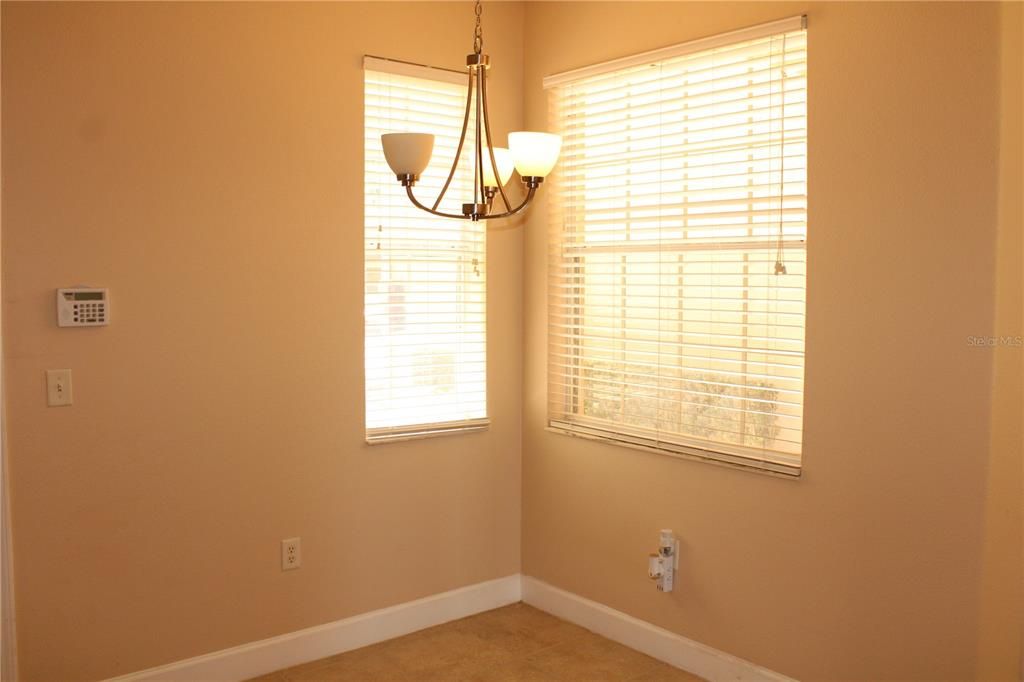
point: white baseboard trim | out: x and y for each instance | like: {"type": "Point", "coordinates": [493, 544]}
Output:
{"type": "Point", "coordinates": [302, 646]}
{"type": "Point", "coordinates": [667, 646]}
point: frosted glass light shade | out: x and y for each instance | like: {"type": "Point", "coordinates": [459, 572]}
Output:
{"type": "Point", "coordinates": [407, 153]}
{"type": "Point", "coordinates": [534, 154]}
{"type": "Point", "coordinates": [503, 158]}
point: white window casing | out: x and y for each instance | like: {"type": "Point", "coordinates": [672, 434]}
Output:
{"type": "Point", "coordinates": [680, 192]}
{"type": "Point", "coordinates": [425, 277]}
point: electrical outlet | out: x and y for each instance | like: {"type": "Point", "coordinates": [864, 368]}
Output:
{"type": "Point", "coordinates": [291, 554]}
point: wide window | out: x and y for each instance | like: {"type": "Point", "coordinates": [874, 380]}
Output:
{"type": "Point", "coordinates": [425, 280]}
{"type": "Point", "coordinates": [677, 262]}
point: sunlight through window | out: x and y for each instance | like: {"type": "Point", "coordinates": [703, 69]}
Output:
{"type": "Point", "coordinates": [425, 282]}
{"type": "Point", "coordinates": [677, 262]}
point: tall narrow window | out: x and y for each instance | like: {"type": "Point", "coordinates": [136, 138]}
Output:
{"type": "Point", "coordinates": [425, 282]}
{"type": "Point", "coordinates": [677, 261]}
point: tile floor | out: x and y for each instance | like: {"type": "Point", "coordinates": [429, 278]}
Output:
{"type": "Point", "coordinates": [515, 643]}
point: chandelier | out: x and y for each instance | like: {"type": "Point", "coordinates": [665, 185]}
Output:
{"type": "Point", "coordinates": [532, 154]}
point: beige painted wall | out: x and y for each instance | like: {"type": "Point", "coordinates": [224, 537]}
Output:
{"type": "Point", "coordinates": [1001, 631]}
{"type": "Point", "coordinates": [215, 150]}
{"type": "Point", "coordinates": [869, 566]}
{"type": "Point", "coordinates": [205, 162]}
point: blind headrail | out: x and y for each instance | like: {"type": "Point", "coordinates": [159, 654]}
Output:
{"type": "Point", "coordinates": [412, 69]}
{"type": "Point", "coordinates": [751, 33]}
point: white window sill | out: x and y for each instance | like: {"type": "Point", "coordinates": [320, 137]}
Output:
{"type": "Point", "coordinates": [421, 431]}
{"type": "Point", "coordinates": [760, 466]}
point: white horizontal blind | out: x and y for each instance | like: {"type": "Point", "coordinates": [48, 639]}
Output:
{"type": "Point", "coordinates": [682, 184]}
{"type": "Point", "coordinates": [425, 281]}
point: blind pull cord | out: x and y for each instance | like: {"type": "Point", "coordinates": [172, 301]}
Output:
{"type": "Point", "coordinates": [780, 267]}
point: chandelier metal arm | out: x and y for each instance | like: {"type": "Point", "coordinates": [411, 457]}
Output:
{"type": "Point", "coordinates": [462, 141]}
{"type": "Point", "coordinates": [415, 201]}
{"type": "Point", "coordinates": [526, 200]}
{"type": "Point", "coordinates": [478, 66]}
{"type": "Point", "coordinates": [531, 185]}
{"type": "Point", "coordinates": [478, 161]}
{"type": "Point", "coordinates": [490, 146]}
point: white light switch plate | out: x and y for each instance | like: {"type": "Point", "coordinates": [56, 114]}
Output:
{"type": "Point", "coordinates": [58, 387]}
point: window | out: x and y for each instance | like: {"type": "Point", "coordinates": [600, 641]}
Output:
{"type": "Point", "coordinates": [677, 261]}
{"type": "Point", "coordinates": [425, 282]}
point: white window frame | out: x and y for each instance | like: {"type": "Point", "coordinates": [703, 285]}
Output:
{"type": "Point", "coordinates": [413, 252]}
{"type": "Point", "coordinates": [569, 317]}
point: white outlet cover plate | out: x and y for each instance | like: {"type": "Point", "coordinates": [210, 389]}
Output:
{"type": "Point", "coordinates": [291, 554]}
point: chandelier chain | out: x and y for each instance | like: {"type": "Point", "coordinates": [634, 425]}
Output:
{"type": "Point", "coordinates": [478, 32]}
